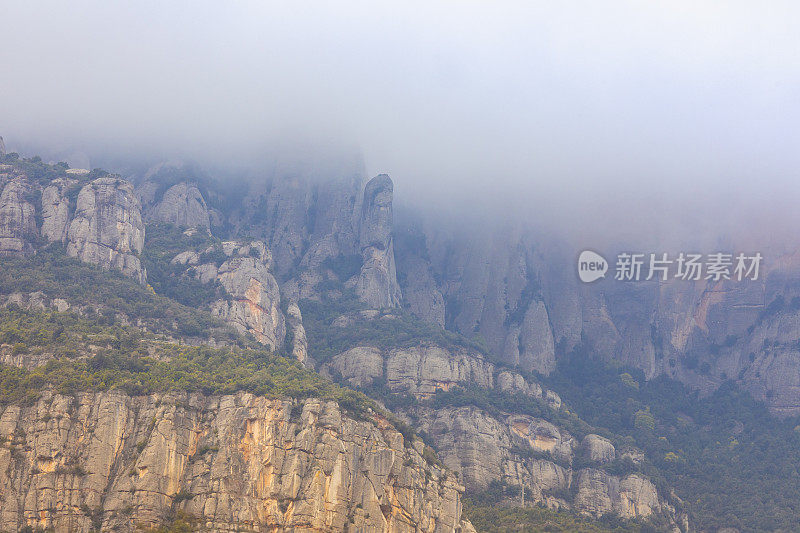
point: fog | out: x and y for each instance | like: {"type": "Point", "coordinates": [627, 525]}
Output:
{"type": "Point", "coordinates": [605, 119]}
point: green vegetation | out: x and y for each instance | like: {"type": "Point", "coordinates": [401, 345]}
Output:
{"type": "Point", "coordinates": [162, 243]}
{"type": "Point", "coordinates": [488, 515]}
{"type": "Point", "coordinates": [62, 334]}
{"type": "Point", "coordinates": [43, 173]}
{"type": "Point", "coordinates": [50, 271]}
{"type": "Point", "coordinates": [140, 366]}
{"type": "Point", "coordinates": [393, 329]}
{"type": "Point", "coordinates": [728, 459]}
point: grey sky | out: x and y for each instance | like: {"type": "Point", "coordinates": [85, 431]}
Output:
{"type": "Point", "coordinates": [552, 106]}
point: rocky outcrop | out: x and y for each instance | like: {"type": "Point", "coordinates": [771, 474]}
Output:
{"type": "Point", "coordinates": [107, 229]}
{"type": "Point", "coordinates": [518, 291]}
{"type": "Point", "coordinates": [18, 230]}
{"type": "Point", "coordinates": [182, 205]}
{"type": "Point", "coordinates": [420, 293]}
{"type": "Point", "coordinates": [253, 303]}
{"type": "Point", "coordinates": [2, 146]}
{"type": "Point", "coordinates": [255, 297]}
{"type": "Point", "coordinates": [492, 285]}
{"type": "Point", "coordinates": [426, 368]}
{"type": "Point", "coordinates": [56, 209]}
{"type": "Point", "coordinates": [600, 493]}
{"type": "Point", "coordinates": [530, 452]}
{"type": "Point", "coordinates": [299, 341]}
{"type": "Point", "coordinates": [302, 219]}
{"type": "Point", "coordinates": [598, 449]}
{"type": "Point", "coordinates": [377, 281]}
{"type": "Point", "coordinates": [107, 461]}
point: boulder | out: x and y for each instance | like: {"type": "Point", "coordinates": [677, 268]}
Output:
{"type": "Point", "coordinates": [598, 449]}
{"type": "Point", "coordinates": [182, 205]}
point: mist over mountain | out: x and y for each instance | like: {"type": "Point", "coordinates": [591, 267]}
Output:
{"type": "Point", "coordinates": [314, 267]}
{"type": "Point", "coordinates": [583, 120]}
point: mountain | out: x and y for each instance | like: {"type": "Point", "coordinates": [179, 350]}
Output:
{"type": "Point", "coordinates": [286, 353]}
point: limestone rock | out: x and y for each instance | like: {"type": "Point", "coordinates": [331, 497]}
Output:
{"type": "Point", "coordinates": [598, 449]}
{"type": "Point", "coordinates": [543, 436]}
{"type": "Point", "coordinates": [377, 282]}
{"type": "Point", "coordinates": [17, 219]}
{"type": "Point", "coordinates": [420, 370]}
{"type": "Point", "coordinates": [107, 229]}
{"type": "Point", "coordinates": [186, 258]}
{"type": "Point", "coordinates": [254, 304]}
{"type": "Point", "coordinates": [299, 341]}
{"type": "Point", "coordinates": [360, 365]}
{"type": "Point", "coordinates": [107, 461]}
{"type": "Point", "coordinates": [182, 205]}
{"type": "Point", "coordinates": [420, 292]}
{"type": "Point", "coordinates": [513, 382]}
{"type": "Point", "coordinates": [55, 210]}
{"type": "Point", "coordinates": [482, 448]}
{"type": "Point", "coordinates": [536, 341]}
{"type": "Point", "coordinates": [552, 399]}
{"type": "Point", "coordinates": [600, 493]}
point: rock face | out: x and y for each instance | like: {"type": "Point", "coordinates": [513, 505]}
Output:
{"type": "Point", "coordinates": [18, 229]}
{"type": "Point", "coordinates": [521, 450]}
{"type": "Point", "coordinates": [598, 449]}
{"type": "Point", "coordinates": [56, 210]}
{"type": "Point", "coordinates": [307, 222]}
{"type": "Point", "coordinates": [255, 303]}
{"type": "Point", "coordinates": [422, 370]}
{"type": "Point", "coordinates": [2, 147]}
{"type": "Point", "coordinates": [420, 293]}
{"type": "Point", "coordinates": [377, 282]}
{"type": "Point", "coordinates": [182, 205]}
{"type": "Point", "coordinates": [492, 286]}
{"type": "Point", "coordinates": [254, 299]}
{"type": "Point", "coordinates": [299, 341]}
{"type": "Point", "coordinates": [107, 461]}
{"type": "Point", "coordinates": [518, 291]}
{"type": "Point", "coordinates": [600, 493]}
{"type": "Point", "coordinates": [303, 220]}
{"type": "Point", "coordinates": [107, 229]}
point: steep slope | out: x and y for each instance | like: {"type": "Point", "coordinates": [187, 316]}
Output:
{"type": "Point", "coordinates": [107, 425]}
{"type": "Point", "coordinates": [518, 292]}
{"type": "Point", "coordinates": [114, 462]}
{"type": "Point", "coordinates": [488, 423]}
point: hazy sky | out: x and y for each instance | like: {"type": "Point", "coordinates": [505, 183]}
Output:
{"type": "Point", "coordinates": [556, 107]}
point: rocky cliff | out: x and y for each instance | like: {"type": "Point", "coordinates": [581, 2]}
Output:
{"type": "Point", "coordinates": [514, 449]}
{"type": "Point", "coordinates": [108, 461]}
{"type": "Point", "coordinates": [181, 204]}
{"type": "Point", "coordinates": [100, 220]}
{"type": "Point", "coordinates": [253, 302]}
{"type": "Point", "coordinates": [107, 227]}
{"type": "Point", "coordinates": [519, 293]}
{"type": "Point", "coordinates": [377, 281]}
{"type": "Point", "coordinates": [18, 231]}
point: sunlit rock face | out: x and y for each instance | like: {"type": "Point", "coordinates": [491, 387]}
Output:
{"type": "Point", "coordinates": [107, 461]}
